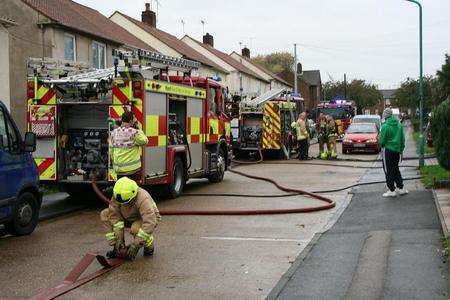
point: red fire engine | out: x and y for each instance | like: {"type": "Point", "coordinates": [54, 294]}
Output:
{"type": "Point", "coordinates": [341, 110]}
{"type": "Point", "coordinates": [183, 117]}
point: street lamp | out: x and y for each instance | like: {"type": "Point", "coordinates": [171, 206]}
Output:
{"type": "Point", "coordinates": [421, 138]}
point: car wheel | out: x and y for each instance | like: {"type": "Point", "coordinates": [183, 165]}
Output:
{"type": "Point", "coordinates": [221, 166]}
{"type": "Point", "coordinates": [26, 215]}
{"type": "Point", "coordinates": [176, 187]}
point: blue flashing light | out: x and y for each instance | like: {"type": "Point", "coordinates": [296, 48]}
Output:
{"type": "Point", "coordinates": [216, 78]}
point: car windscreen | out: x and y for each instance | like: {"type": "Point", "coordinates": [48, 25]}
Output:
{"type": "Point", "coordinates": [362, 128]}
{"type": "Point", "coordinates": [337, 113]}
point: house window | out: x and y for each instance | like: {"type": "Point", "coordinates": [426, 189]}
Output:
{"type": "Point", "coordinates": [69, 47]}
{"type": "Point", "coordinates": [99, 55]}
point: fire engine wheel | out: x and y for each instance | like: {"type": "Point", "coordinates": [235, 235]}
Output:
{"type": "Point", "coordinates": [221, 166]}
{"type": "Point", "coordinates": [176, 187]}
{"type": "Point", "coordinates": [26, 215]}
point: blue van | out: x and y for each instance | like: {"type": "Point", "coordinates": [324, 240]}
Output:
{"type": "Point", "coordinates": [20, 199]}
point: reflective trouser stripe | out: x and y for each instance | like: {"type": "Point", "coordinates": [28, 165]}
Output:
{"type": "Point", "coordinates": [110, 236]}
{"type": "Point", "coordinates": [148, 238]}
{"type": "Point", "coordinates": [119, 225]}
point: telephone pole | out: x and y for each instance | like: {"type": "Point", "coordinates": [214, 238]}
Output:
{"type": "Point", "coordinates": [295, 70]}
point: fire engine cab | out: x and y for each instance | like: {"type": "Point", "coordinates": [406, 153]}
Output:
{"type": "Point", "coordinates": [72, 110]}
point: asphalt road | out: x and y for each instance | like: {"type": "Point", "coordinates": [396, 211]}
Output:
{"type": "Point", "coordinates": [196, 256]}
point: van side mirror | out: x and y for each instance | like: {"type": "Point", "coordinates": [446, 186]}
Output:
{"type": "Point", "coordinates": [29, 144]}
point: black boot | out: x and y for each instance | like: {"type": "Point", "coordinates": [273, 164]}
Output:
{"type": "Point", "coordinates": [148, 251]}
{"type": "Point", "coordinates": [111, 253]}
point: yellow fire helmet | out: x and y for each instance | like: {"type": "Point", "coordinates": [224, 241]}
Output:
{"type": "Point", "coordinates": [125, 190]}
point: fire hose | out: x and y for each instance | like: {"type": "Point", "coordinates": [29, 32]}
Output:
{"type": "Point", "coordinates": [329, 203]}
{"type": "Point", "coordinates": [73, 280]}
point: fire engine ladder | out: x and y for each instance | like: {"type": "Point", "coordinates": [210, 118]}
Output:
{"type": "Point", "coordinates": [158, 60]}
{"type": "Point", "coordinates": [87, 77]}
{"type": "Point", "coordinates": [267, 96]}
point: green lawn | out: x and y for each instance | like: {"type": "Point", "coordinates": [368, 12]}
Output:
{"type": "Point", "coordinates": [428, 150]}
{"type": "Point", "coordinates": [429, 173]}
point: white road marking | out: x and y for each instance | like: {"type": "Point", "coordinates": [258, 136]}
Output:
{"type": "Point", "coordinates": [259, 239]}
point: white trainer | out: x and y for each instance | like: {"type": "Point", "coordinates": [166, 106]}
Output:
{"type": "Point", "coordinates": [390, 194]}
{"type": "Point", "coordinates": [402, 191]}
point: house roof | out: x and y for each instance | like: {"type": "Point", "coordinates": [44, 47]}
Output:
{"type": "Point", "coordinates": [312, 77]}
{"type": "Point", "coordinates": [388, 94]}
{"type": "Point", "coordinates": [174, 43]}
{"type": "Point", "coordinates": [229, 60]}
{"type": "Point", "coordinates": [273, 75]}
{"type": "Point", "coordinates": [84, 19]}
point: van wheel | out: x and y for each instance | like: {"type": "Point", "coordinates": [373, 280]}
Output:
{"type": "Point", "coordinates": [221, 166]}
{"type": "Point", "coordinates": [26, 215]}
{"type": "Point", "coordinates": [176, 187]}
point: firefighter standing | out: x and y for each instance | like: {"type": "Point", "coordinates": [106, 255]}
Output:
{"type": "Point", "coordinates": [331, 137]}
{"type": "Point", "coordinates": [126, 142]}
{"type": "Point", "coordinates": [302, 134]}
{"type": "Point", "coordinates": [131, 206]}
{"type": "Point", "coordinates": [322, 135]}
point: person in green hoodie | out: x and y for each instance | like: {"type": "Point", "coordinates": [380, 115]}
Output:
{"type": "Point", "coordinates": [392, 139]}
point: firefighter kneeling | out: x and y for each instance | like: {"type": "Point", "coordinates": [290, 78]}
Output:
{"type": "Point", "coordinates": [131, 206]}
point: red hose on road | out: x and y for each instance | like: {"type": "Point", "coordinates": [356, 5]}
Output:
{"type": "Point", "coordinates": [329, 203]}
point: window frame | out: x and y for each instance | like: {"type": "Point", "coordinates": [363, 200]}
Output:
{"type": "Point", "coordinates": [74, 46]}
{"type": "Point", "coordinates": [104, 54]}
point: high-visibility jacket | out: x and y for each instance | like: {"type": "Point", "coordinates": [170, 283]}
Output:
{"type": "Point", "coordinates": [331, 129]}
{"type": "Point", "coordinates": [126, 151]}
{"type": "Point", "coordinates": [300, 129]}
{"type": "Point", "coordinates": [322, 130]}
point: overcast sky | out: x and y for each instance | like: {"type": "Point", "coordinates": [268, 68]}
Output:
{"type": "Point", "coordinates": [376, 40]}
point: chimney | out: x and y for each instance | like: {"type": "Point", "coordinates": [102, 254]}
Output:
{"type": "Point", "coordinates": [208, 40]}
{"type": "Point", "coordinates": [148, 16]}
{"type": "Point", "coordinates": [246, 52]}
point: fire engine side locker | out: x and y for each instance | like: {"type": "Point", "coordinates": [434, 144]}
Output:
{"type": "Point", "coordinates": [155, 153]}
{"type": "Point", "coordinates": [195, 137]}
{"type": "Point", "coordinates": [42, 121]}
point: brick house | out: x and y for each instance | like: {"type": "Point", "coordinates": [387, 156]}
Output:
{"type": "Point", "coordinates": [309, 86]}
{"type": "Point", "coordinates": [60, 29]}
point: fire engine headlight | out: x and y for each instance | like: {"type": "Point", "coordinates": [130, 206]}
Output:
{"type": "Point", "coordinates": [346, 140]}
{"type": "Point", "coordinates": [372, 141]}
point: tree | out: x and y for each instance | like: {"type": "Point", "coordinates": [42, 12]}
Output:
{"type": "Point", "coordinates": [276, 62]}
{"type": "Point", "coordinates": [444, 76]}
{"type": "Point", "coordinates": [364, 94]}
{"type": "Point", "coordinates": [407, 95]}
{"type": "Point", "coordinates": [436, 89]}
{"type": "Point", "coordinates": [441, 133]}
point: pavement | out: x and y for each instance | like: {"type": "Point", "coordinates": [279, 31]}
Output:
{"type": "Point", "coordinates": [380, 248]}
{"type": "Point", "coordinates": [199, 257]}
{"type": "Point", "coordinates": [442, 197]}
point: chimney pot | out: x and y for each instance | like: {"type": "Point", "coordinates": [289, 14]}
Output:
{"type": "Point", "coordinates": [148, 16]}
{"type": "Point", "coordinates": [246, 52]}
{"type": "Point", "coordinates": [208, 40]}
